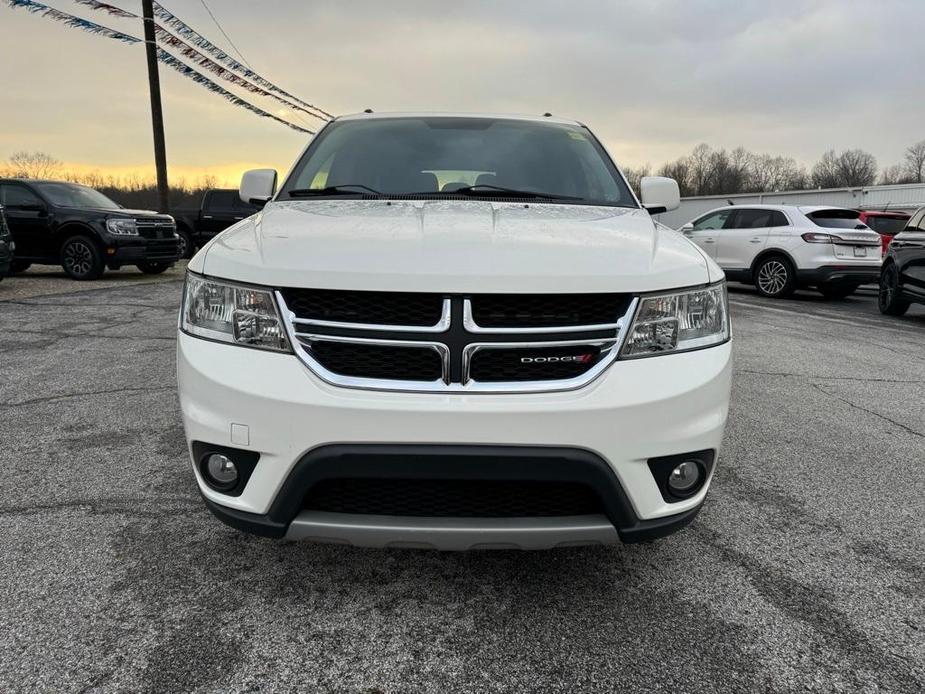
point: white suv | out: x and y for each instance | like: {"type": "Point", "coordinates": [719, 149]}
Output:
{"type": "Point", "coordinates": [780, 248]}
{"type": "Point", "coordinates": [454, 332]}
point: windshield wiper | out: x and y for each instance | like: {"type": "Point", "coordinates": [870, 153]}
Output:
{"type": "Point", "coordinates": [483, 188]}
{"type": "Point", "coordinates": [340, 189]}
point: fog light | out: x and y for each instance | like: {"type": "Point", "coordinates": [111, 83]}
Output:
{"type": "Point", "coordinates": [222, 471]}
{"type": "Point", "coordinates": [684, 478]}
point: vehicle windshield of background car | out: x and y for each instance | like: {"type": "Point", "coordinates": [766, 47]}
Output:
{"type": "Point", "coordinates": [837, 219]}
{"type": "Point", "coordinates": [887, 225]}
{"type": "Point", "coordinates": [73, 195]}
{"type": "Point", "coordinates": [458, 158]}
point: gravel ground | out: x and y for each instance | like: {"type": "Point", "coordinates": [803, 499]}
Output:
{"type": "Point", "coordinates": [804, 572]}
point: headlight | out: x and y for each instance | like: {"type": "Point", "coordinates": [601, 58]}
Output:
{"type": "Point", "coordinates": [233, 313]}
{"type": "Point", "coordinates": [679, 321]}
{"type": "Point", "coordinates": [122, 227]}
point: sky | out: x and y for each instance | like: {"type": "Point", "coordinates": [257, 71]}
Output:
{"type": "Point", "coordinates": [651, 78]}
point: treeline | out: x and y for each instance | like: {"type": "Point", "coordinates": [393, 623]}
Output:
{"type": "Point", "coordinates": [708, 171]}
{"type": "Point", "coordinates": [705, 171]}
{"type": "Point", "coordinates": [132, 191]}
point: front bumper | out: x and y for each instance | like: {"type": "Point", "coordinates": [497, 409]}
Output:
{"type": "Point", "coordinates": [637, 410]}
{"type": "Point", "coordinates": [134, 250]}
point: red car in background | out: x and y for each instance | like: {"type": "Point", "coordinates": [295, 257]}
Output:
{"type": "Point", "coordinates": [887, 224]}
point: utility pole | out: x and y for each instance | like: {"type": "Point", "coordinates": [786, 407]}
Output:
{"type": "Point", "coordinates": [157, 115]}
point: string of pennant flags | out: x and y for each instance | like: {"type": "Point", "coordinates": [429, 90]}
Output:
{"type": "Point", "coordinates": [223, 65]}
{"type": "Point", "coordinates": [191, 35]}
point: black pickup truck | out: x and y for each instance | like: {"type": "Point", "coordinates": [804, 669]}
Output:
{"type": "Point", "coordinates": [83, 231]}
{"type": "Point", "coordinates": [220, 208]}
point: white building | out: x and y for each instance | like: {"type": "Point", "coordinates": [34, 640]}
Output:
{"type": "Point", "coordinates": [899, 197]}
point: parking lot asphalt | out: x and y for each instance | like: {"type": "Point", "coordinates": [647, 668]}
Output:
{"type": "Point", "coordinates": [804, 572]}
{"type": "Point", "coordinates": [44, 280]}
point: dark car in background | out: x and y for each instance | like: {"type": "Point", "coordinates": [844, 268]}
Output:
{"type": "Point", "coordinates": [6, 246]}
{"type": "Point", "coordinates": [79, 228]}
{"type": "Point", "coordinates": [218, 210]}
{"type": "Point", "coordinates": [886, 223]}
{"type": "Point", "coordinates": [902, 278]}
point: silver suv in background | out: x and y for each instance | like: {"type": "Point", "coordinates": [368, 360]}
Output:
{"type": "Point", "coordinates": [780, 248]}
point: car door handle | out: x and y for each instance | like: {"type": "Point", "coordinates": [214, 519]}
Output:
{"type": "Point", "coordinates": [239, 217]}
{"type": "Point", "coordinates": [207, 216]}
{"type": "Point", "coordinates": [755, 240]}
{"type": "Point", "coordinates": [708, 241]}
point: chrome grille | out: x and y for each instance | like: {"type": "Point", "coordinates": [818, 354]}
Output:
{"type": "Point", "coordinates": [453, 343]}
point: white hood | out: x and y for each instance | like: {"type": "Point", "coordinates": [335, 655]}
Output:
{"type": "Point", "coordinates": [453, 246]}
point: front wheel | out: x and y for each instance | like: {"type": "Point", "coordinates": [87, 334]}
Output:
{"type": "Point", "coordinates": [185, 243]}
{"type": "Point", "coordinates": [889, 299]}
{"type": "Point", "coordinates": [81, 259]}
{"type": "Point", "coordinates": [154, 268]}
{"type": "Point", "coordinates": [837, 291]}
{"type": "Point", "coordinates": [775, 277]}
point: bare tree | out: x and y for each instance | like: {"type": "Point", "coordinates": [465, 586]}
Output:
{"type": "Point", "coordinates": [635, 175]}
{"type": "Point", "coordinates": [915, 162]}
{"type": "Point", "coordinates": [771, 173]}
{"type": "Point", "coordinates": [680, 171]}
{"type": "Point", "coordinates": [33, 165]}
{"type": "Point", "coordinates": [896, 174]}
{"type": "Point", "coordinates": [853, 167]}
{"type": "Point", "coordinates": [699, 166]}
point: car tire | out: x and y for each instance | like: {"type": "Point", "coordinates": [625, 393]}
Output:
{"type": "Point", "coordinates": [187, 247]}
{"type": "Point", "coordinates": [837, 291]}
{"type": "Point", "coordinates": [81, 259]}
{"type": "Point", "coordinates": [775, 277]}
{"type": "Point", "coordinates": [889, 300]}
{"type": "Point", "coordinates": [154, 268]}
{"type": "Point", "coordinates": [19, 266]}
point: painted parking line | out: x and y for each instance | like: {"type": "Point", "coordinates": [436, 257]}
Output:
{"type": "Point", "coordinates": [856, 321]}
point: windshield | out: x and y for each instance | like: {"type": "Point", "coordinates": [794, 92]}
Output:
{"type": "Point", "coordinates": [438, 156]}
{"type": "Point", "coordinates": [887, 225]}
{"type": "Point", "coordinates": [73, 195]}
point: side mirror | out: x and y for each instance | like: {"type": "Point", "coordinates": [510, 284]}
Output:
{"type": "Point", "coordinates": [258, 186]}
{"type": "Point", "coordinates": [659, 194]}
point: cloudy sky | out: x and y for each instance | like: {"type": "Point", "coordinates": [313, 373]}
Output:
{"type": "Point", "coordinates": [652, 78]}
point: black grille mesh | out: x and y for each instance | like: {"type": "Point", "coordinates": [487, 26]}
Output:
{"type": "Point", "coordinates": [504, 312]}
{"type": "Point", "coordinates": [453, 498]}
{"type": "Point", "coordinates": [385, 308]}
{"type": "Point", "coordinates": [492, 365]}
{"type": "Point", "coordinates": [547, 310]}
{"type": "Point", "coordinates": [379, 361]}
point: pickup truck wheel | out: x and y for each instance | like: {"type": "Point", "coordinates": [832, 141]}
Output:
{"type": "Point", "coordinates": [889, 299]}
{"type": "Point", "coordinates": [19, 266]}
{"type": "Point", "coordinates": [775, 277]}
{"type": "Point", "coordinates": [81, 259]}
{"type": "Point", "coordinates": [153, 268]}
{"type": "Point", "coordinates": [187, 248]}
{"type": "Point", "coordinates": [837, 291]}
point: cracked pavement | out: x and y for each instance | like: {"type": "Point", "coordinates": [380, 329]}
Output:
{"type": "Point", "coordinates": [804, 572]}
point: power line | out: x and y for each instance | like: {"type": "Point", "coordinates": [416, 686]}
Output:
{"type": "Point", "coordinates": [162, 55]}
{"type": "Point", "coordinates": [201, 42]}
{"type": "Point", "coordinates": [227, 37]}
{"type": "Point", "coordinates": [244, 60]}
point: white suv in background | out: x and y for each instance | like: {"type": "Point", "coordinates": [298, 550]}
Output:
{"type": "Point", "coordinates": [781, 248]}
{"type": "Point", "coordinates": [454, 331]}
